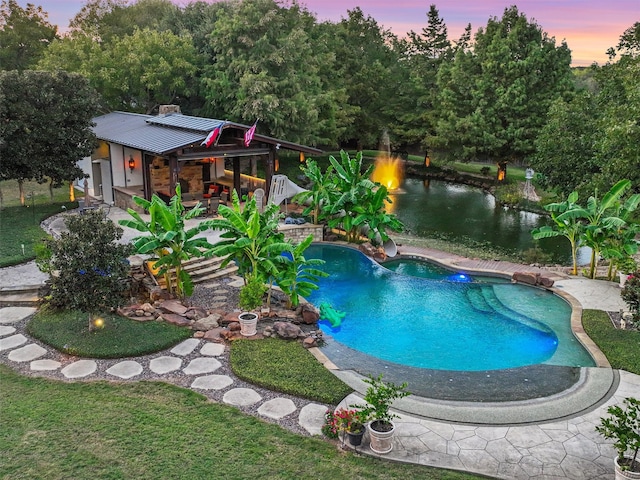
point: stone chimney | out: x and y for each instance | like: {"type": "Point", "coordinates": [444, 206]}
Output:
{"type": "Point", "coordinates": [167, 109]}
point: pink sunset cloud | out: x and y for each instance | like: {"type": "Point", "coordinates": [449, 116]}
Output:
{"type": "Point", "coordinates": [589, 27]}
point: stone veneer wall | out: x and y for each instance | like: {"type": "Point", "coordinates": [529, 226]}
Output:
{"type": "Point", "coordinates": [160, 176]}
{"type": "Point", "coordinates": [297, 233]}
{"type": "Point", "coordinates": [123, 198]}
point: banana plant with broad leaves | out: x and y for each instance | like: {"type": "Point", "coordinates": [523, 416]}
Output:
{"type": "Point", "coordinates": [319, 193]}
{"type": "Point", "coordinates": [351, 187]}
{"type": "Point", "coordinates": [298, 276]}
{"type": "Point", "coordinates": [621, 245]}
{"type": "Point", "coordinates": [168, 240]}
{"type": "Point", "coordinates": [603, 220]}
{"type": "Point", "coordinates": [372, 217]}
{"type": "Point", "coordinates": [567, 223]}
{"type": "Point", "coordinates": [249, 238]}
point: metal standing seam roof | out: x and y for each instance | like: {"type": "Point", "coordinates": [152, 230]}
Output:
{"type": "Point", "coordinates": [133, 130]}
{"type": "Point", "coordinates": [161, 135]}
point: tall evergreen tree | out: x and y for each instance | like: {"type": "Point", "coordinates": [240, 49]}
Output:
{"type": "Point", "coordinates": [425, 53]}
{"type": "Point", "coordinates": [501, 92]}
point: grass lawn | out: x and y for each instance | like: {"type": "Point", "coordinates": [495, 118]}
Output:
{"type": "Point", "coordinates": [68, 331]}
{"type": "Point", "coordinates": [98, 430]}
{"type": "Point", "coordinates": [286, 366]}
{"type": "Point", "coordinates": [20, 225]}
{"type": "Point", "coordinates": [621, 347]}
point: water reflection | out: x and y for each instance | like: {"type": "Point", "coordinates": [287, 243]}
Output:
{"type": "Point", "coordinates": [463, 211]}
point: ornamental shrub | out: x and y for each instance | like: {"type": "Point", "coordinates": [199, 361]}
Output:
{"type": "Point", "coordinates": [90, 268]}
{"type": "Point", "coordinates": [631, 294]}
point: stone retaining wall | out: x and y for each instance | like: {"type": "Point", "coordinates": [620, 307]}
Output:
{"type": "Point", "coordinates": [297, 233]}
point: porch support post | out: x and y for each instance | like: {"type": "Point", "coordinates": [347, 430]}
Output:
{"type": "Point", "coordinates": [268, 170]}
{"type": "Point", "coordinates": [146, 175]}
{"type": "Point", "coordinates": [236, 176]}
{"type": "Point", "coordinates": [173, 174]}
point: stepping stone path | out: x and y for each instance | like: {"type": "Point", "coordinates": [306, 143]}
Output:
{"type": "Point", "coordinates": [201, 365]}
{"type": "Point", "coordinates": [27, 353]}
{"type": "Point", "coordinates": [127, 369]}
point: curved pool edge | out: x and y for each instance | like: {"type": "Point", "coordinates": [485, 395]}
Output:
{"type": "Point", "coordinates": [504, 269]}
{"type": "Point", "coordinates": [595, 387]}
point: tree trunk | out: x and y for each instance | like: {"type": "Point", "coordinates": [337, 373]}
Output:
{"type": "Point", "coordinates": [574, 257]}
{"type": "Point", "coordinates": [51, 190]}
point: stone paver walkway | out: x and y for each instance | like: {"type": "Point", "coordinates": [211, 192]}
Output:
{"type": "Point", "coordinates": [564, 449]}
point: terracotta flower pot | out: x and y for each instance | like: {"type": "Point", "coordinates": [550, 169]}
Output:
{"type": "Point", "coordinates": [625, 474]}
{"type": "Point", "coordinates": [381, 436]}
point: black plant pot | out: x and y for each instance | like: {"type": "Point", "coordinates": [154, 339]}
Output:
{"type": "Point", "coordinates": [355, 439]}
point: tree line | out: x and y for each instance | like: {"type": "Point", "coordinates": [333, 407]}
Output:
{"type": "Point", "coordinates": [506, 93]}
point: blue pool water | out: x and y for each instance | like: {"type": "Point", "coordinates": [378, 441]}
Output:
{"type": "Point", "coordinates": [442, 324]}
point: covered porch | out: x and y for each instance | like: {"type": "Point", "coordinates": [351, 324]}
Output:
{"type": "Point", "coordinates": [152, 155]}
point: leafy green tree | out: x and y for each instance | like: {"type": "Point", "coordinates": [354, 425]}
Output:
{"type": "Point", "coordinates": [591, 139]}
{"type": "Point", "coordinates": [501, 92]}
{"type": "Point", "coordinates": [91, 266]}
{"type": "Point", "coordinates": [296, 275]}
{"type": "Point", "coordinates": [367, 69]}
{"type": "Point", "coordinates": [629, 44]}
{"type": "Point", "coordinates": [167, 238]}
{"type": "Point", "coordinates": [25, 34]}
{"type": "Point", "coordinates": [265, 66]}
{"type": "Point", "coordinates": [107, 20]}
{"type": "Point", "coordinates": [136, 72]}
{"type": "Point", "coordinates": [45, 126]}
{"type": "Point", "coordinates": [146, 69]}
{"type": "Point", "coordinates": [565, 150]}
{"type": "Point", "coordinates": [617, 132]}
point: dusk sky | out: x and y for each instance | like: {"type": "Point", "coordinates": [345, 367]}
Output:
{"type": "Point", "coordinates": [589, 27]}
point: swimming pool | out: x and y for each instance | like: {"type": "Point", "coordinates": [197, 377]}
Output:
{"type": "Point", "coordinates": [443, 325]}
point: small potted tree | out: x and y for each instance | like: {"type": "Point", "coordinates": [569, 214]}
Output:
{"type": "Point", "coordinates": [623, 426]}
{"type": "Point", "coordinates": [251, 296]}
{"type": "Point", "coordinates": [379, 396]}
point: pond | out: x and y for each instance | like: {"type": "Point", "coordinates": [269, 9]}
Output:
{"type": "Point", "coordinates": [458, 212]}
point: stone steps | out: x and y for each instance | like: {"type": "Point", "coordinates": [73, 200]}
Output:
{"type": "Point", "coordinates": [204, 270]}
{"type": "Point", "coordinates": [20, 296]}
